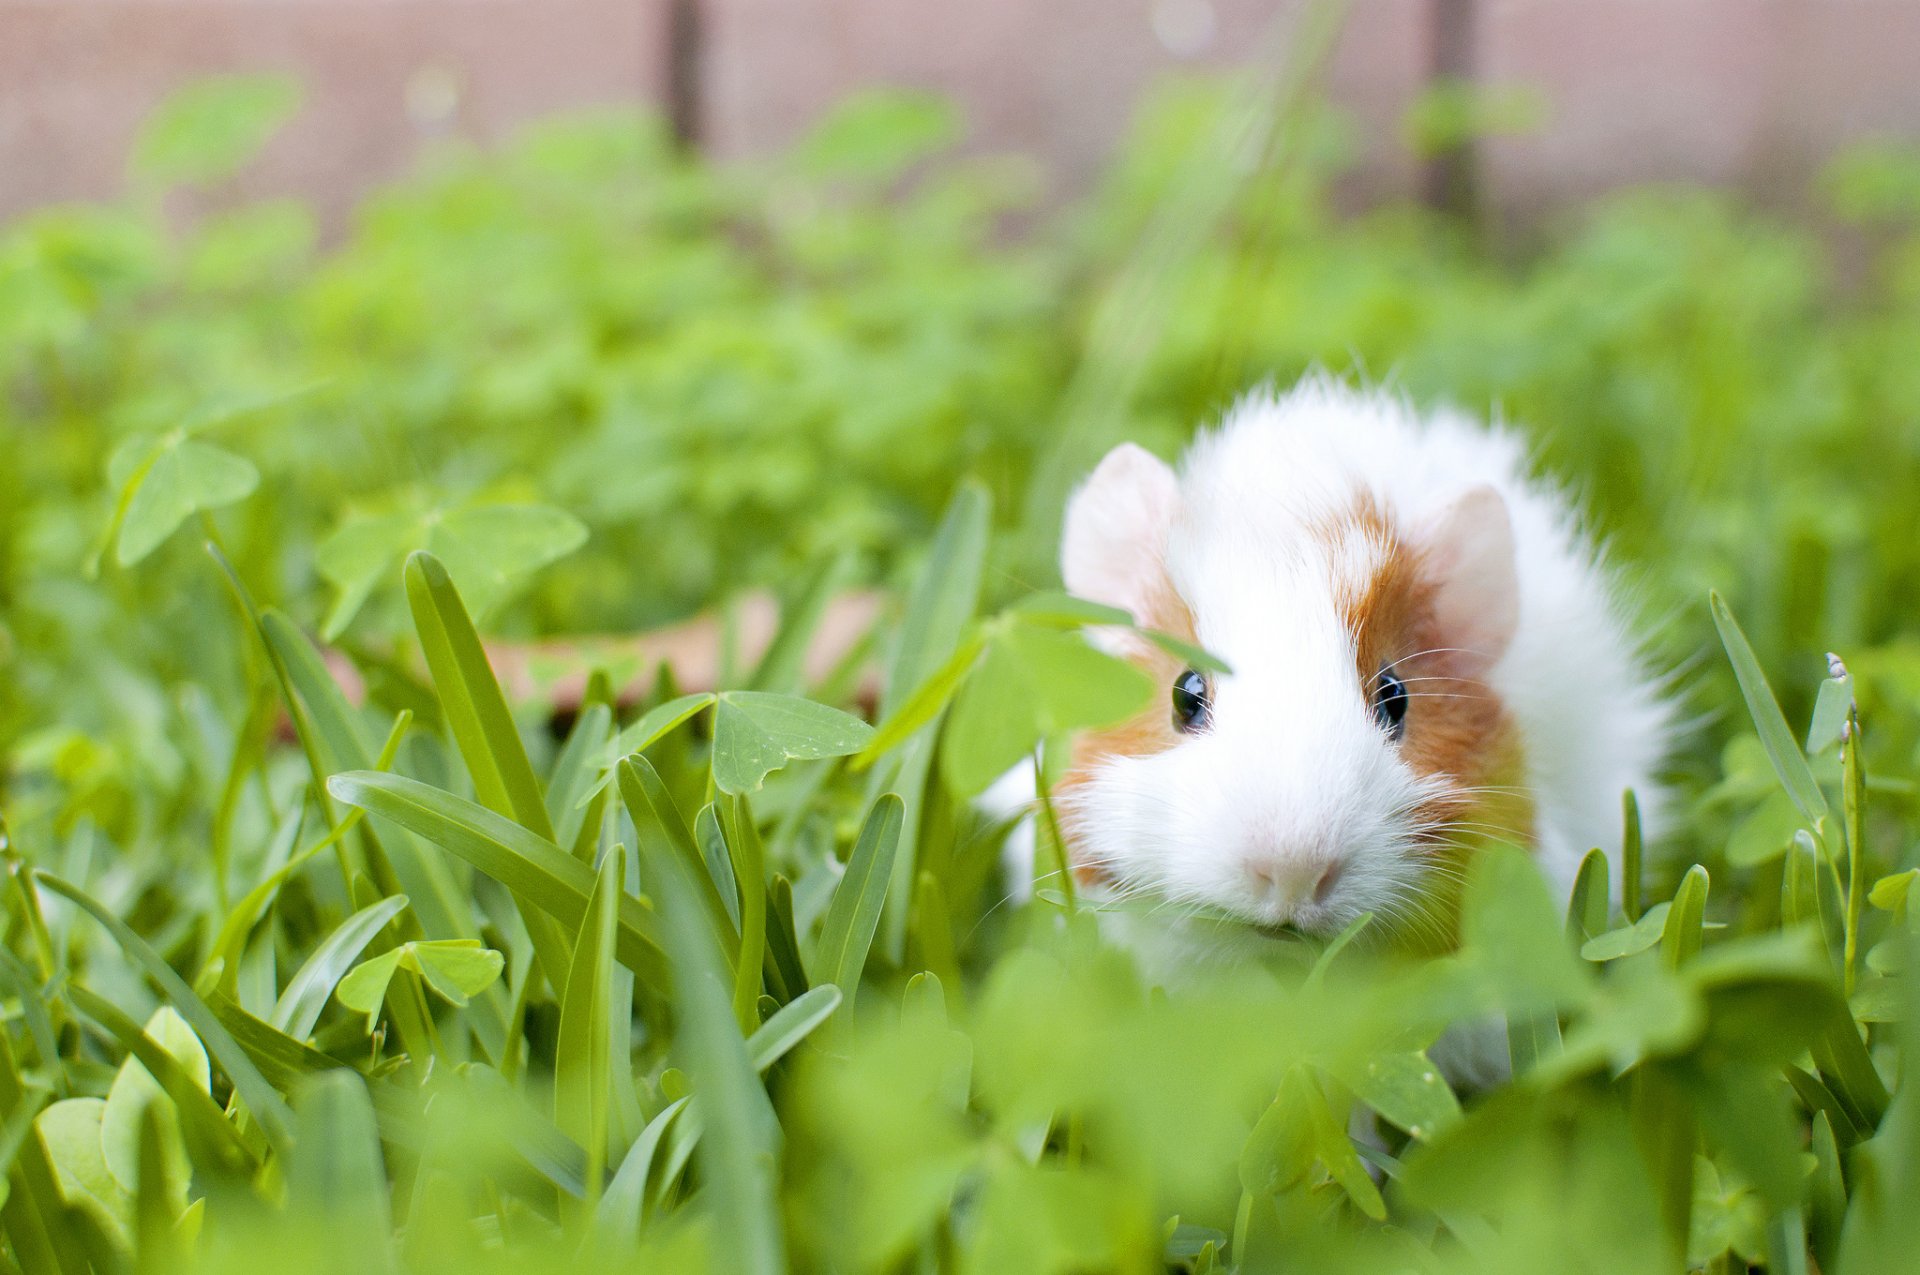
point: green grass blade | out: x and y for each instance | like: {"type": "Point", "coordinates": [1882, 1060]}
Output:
{"type": "Point", "coordinates": [38, 1225]}
{"type": "Point", "coordinates": [783, 940]}
{"type": "Point", "coordinates": [477, 712]}
{"type": "Point", "coordinates": [847, 933]}
{"type": "Point", "coordinates": [284, 1061]}
{"type": "Point", "coordinates": [718, 860]}
{"type": "Point", "coordinates": [18, 980]}
{"type": "Point", "coordinates": [791, 1024]}
{"type": "Point", "coordinates": [1853, 771]}
{"type": "Point", "coordinates": [1681, 936]}
{"type": "Point", "coordinates": [1587, 906]}
{"type": "Point", "coordinates": [1632, 849]}
{"type": "Point", "coordinates": [924, 705]}
{"type": "Point", "coordinates": [582, 1062]}
{"type": "Point", "coordinates": [739, 1149]}
{"type": "Point", "coordinates": [537, 872]}
{"type": "Point", "coordinates": [750, 876]}
{"type": "Point", "coordinates": [622, 1212]}
{"type": "Point", "coordinates": [307, 993]}
{"type": "Point", "coordinates": [436, 898]}
{"type": "Point", "coordinates": [575, 778]}
{"type": "Point", "coordinates": [336, 1176]}
{"type": "Point", "coordinates": [266, 1105]}
{"type": "Point", "coordinates": [924, 670]}
{"type": "Point", "coordinates": [211, 1138]}
{"type": "Point", "coordinates": [663, 832]}
{"type": "Point", "coordinates": [1783, 748]}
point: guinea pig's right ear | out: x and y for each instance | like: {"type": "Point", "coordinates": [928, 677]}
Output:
{"type": "Point", "coordinates": [1470, 560]}
{"type": "Point", "coordinates": [1114, 546]}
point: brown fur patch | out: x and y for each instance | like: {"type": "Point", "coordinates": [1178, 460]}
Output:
{"type": "Point", "coordinates": [1455, 726]}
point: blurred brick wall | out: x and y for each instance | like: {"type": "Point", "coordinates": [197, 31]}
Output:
{"type": "Point", "coordinates": [1751, 92]}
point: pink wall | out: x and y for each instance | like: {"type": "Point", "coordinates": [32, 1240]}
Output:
{"type": "Point", "coordinates": [1752, 92]}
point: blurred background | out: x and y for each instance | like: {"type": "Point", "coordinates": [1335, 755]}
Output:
{"type": "Point", "coordinates": [626, 307]}
{"type": "Point", "coordinates": [1750, 94]}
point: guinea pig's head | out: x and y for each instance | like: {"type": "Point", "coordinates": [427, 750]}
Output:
{"type": "Point", "coordinates": [1330, 772]}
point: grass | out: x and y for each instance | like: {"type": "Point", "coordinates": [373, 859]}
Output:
{"type": "Point", "coordinates": [728, 980]}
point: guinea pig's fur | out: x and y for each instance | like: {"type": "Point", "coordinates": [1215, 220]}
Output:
{"type": "Point", "coordinates": [1312, 540]}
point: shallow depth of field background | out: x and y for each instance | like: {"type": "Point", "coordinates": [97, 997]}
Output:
{"type": "Point", "coordinates": [626, 311]}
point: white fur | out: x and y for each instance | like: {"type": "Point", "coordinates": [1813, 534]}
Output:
{"type": "Point", "coordinates": [1294, 777]}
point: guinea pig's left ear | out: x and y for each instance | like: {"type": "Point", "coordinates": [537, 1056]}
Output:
{"type": "Point", "coordinates": [1469, 557]}
{"type": "Point", "coordinates": [1114, 544]}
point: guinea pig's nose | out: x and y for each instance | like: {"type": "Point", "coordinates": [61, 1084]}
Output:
{"type": "Point", "coordinates": [1297, 881]}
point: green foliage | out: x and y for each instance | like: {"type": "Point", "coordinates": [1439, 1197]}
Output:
{"type": "Point", "coordinates": [727, 980]}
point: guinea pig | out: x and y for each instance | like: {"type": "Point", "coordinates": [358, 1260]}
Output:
{"type": "Point", "coordinates": [1425, 653]}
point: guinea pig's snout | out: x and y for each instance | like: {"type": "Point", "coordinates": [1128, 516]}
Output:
{"type": "Point", "coordinates": [1292, 883]}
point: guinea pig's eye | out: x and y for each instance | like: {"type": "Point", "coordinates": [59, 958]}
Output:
{"type": "Point", "coordinates": [1390, 703]}
{"type": "Point", "coordinates": [1192, 701]}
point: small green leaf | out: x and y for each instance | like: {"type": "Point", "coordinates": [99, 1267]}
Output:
{"type": "Point", "coordinates": [306, 995]}
{"type": "Point", "coordinates": [456, 969]}
{"type": "Point", "coordinates": [134, 1088]}
{"type": "Point", "coordinates": [1407, 1089]}
{"type": "Point", "coordinates": [1830, 708]}
{"type": "Point", "coordinates": [167, 479]}
{"type": "Point", "coordinates": [365, 987]}
{"type": "Point", "coordinates": [755, 732]}
{"type": "Point", "coordinates": [71, 1130]}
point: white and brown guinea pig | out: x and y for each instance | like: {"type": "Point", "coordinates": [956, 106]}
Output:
{"type": "Point", "coordinates": [1425, 652]}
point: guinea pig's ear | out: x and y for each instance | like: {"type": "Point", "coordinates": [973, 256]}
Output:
{"type": "Point", "coordinates": [1469, 557]}
{"type": "Point", "coordinates": [1113, 548]}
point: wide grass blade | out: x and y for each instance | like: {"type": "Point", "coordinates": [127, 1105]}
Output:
{"type": "Point", "coordinates": [622, 1211]}
{"type": "Point", "coordinates": [1587, 906]}
{"type": "Point", "coordinates": [750, 877]}
{"type": "Point", "coordinates": [537, 872]}
{"type": "Point", "coordinates": [573, 789]}
{"type": "Point", "coordinates": [663, 832]}
{"type": "Point", "coordinates": [306, 996]}
{"type": "Point", "coordinates": [343, 745]}
{"type": "Point", "coordinates": [477, 712]}
{"type": "Point", "coordinates": [39, 1226]}
{"type": "Point", "coordinates": [336, 1176]}
{"type": "Point", "coordinates": [791, 1024]}
{"type": "Point", "coordinates": [1681, 936]}
{"type": "Point", "coordinates": [739, 1151]}
{"type": "Point", "coordinates": [1783, 748]}
{"type": "Point", "coordinates": [854, 915]}
{"type": "Point", "coordinates": [582, 1062]}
